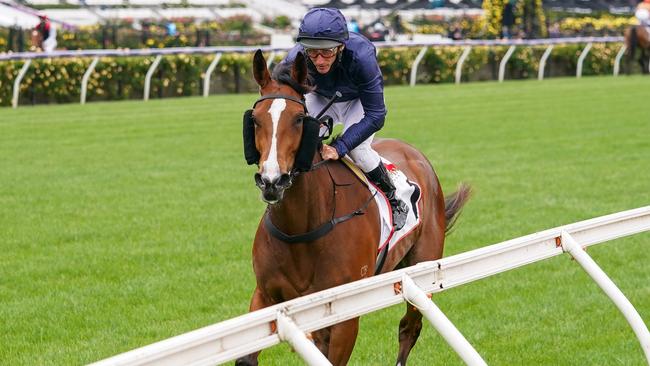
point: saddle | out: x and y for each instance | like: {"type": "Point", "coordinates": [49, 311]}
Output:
{"type": "Point", "coordinates": [408, 191]}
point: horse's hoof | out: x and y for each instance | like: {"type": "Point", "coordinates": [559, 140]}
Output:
{"type": "Point", "coordinates": [245, 362]}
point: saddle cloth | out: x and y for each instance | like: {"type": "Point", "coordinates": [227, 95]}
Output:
{"type": "Point", "coordinates": [406, 190]}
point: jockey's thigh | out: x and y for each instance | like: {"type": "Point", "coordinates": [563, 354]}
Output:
{"type": "Point", "coordinates": [349, 113]}
{"type": "Point", "coordinates": [365, 156]}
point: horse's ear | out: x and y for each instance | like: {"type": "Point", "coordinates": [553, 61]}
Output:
{"type": "Point", "coordinates": [299, 70]}
{"type": "Point", "coordinates": [260, 71]}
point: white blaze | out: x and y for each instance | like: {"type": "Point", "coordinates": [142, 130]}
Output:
{"type": "Point", "coordinates": [271, 167]}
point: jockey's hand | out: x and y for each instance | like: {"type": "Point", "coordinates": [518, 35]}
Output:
{"type": "Point", "coordinates": [329, 153]}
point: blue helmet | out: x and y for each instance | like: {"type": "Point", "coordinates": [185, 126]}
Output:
{"type": "Point", "coordinates": [323, 28]}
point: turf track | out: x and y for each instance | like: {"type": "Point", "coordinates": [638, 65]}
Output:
{"type": "Point", "coordinates": [125, 223]}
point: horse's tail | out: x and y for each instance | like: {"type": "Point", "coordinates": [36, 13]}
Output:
{"type": "Point", "coordinates": [634, 41]}
{"type": "Point", "coordinates": [454, 203]}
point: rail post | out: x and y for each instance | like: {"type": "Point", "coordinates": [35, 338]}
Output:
{"type": "Point", "coordinates": [416, 62]}
{"type": "Point", "coordinates": [570, 246]}
{"type": "Point", "coordinates": [289, 331]}
{"type": "Point", "coordinates": [147, 79]}
{"type": "Point", "coordinates": [617, 61]}
{"type": "Point", "coordinates": [19, 78]}
{"type": "Point", "coordinates": [461, 61]}
{"type": "Point", "coordinates": [208, 74]}
{"type": "Point", "coordinates": [415, 296]}
{"type": "Point", "coordinates": [84, 80]}
{"type": "Point", "coordinates": [504, 62]}
{"type": "Point", "coordinates": [581, 59]}
{"type": "Point", "coordinates": [542, 62]}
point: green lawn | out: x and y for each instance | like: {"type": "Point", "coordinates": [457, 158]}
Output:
{"type": "Point", "coordinates": [125, 223]}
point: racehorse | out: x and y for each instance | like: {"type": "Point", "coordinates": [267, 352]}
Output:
{"type": "Point", "coordinates": [299, 248]}
{"type": "Point", "coordinates": [637, 36]}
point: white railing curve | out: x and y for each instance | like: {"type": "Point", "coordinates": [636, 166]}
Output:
{"type": "Point", "coordinates": [290, 321]}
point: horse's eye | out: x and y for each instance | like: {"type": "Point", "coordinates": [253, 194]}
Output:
{"type": "Point", "coordinates": [299, 119]}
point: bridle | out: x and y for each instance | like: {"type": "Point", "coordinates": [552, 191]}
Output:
{"type": "Point", "coordinates": [294, 172]}
{"type": "Point", "coordinates": [300, 101]}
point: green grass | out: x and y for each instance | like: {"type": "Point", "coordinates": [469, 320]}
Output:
{"type": "Point", "coordinates": [125, 223]}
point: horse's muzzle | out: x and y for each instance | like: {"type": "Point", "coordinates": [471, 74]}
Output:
{"type": "Point", "coordinates": [272, 191]}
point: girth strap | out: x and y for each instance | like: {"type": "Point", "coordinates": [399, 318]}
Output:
{"type": "Point", "coordinates": [314, 234]}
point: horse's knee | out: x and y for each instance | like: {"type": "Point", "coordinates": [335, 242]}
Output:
{"type": "Point", "coordinates": [409, 331]}
{"type": "Point", "coordinates": [410, 325]}
{"type": "Point", "coordinates": [322, 340]}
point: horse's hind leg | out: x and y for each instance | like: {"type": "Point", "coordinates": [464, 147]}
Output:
{"type": "Point", "coordinates": [409, 331]}
{"type": "Point", "coordinates": [428, 247]}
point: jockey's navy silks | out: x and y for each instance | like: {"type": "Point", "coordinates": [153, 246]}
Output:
{"type": "Point", "coordinates": [355, 78]}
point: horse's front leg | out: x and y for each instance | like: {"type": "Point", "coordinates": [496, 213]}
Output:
{"type": "Point", "coordinates": [341, 341]}
{"type": "Point", "coordinates": [259, 301]}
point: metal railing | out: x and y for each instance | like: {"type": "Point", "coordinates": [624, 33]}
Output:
{"type": "Point", "coordinates": [219, 51]}
{"type": "Point", "coordinates": [290, 321]}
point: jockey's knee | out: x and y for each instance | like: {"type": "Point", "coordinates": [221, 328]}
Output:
{"type": "Point", "coordinates": [365, 157]}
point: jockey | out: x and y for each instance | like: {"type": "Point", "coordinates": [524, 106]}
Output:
{"type": "Point", "coordinates": [347, 62]}
{"type": "Point", "coordinates": [643, 13]}
{"type": "Point", "coordinates": [48, 33]}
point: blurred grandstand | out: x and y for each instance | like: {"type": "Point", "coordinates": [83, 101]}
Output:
{"type": "Point", "coordinates": [88, 12]}
{"type": "Point", "coordinates": [255, 21]}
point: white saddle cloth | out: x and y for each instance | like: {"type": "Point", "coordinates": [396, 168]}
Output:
{"type": "Point", "coordinates": [407, 191]}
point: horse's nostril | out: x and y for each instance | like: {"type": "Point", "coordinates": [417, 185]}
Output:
{"type": "Point", "coordinates": [259, 181]}
{"type": "Point", "coordinates": [284, 181]}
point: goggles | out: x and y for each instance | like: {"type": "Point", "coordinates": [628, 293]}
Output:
{"type": "Point", "coordinates": [325, 52]}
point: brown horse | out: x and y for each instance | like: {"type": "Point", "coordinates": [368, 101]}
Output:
{"type": "Point", "coordinates": [302, 198]}
{"type": "Point", "coordinates": [637, 36]}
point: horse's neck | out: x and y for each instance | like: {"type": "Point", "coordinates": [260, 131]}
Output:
{"type": "Point", "coordinates": [307, 204]}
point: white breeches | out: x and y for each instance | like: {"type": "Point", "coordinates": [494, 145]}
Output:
{"type": "Point", "coordinates": [347, 113]}
{"type": "Point", "coordinates": [49, 44]}
{"type": "Point", "coordinates": [643, 15]}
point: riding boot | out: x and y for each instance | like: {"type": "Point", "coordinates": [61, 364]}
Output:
{"type": "Point", "coordinates": [379, 176]}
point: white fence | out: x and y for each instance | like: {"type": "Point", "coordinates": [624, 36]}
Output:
{"type": "Point", "coordinates": [255, 331]}
{"type": "Point", "coordinates": [219, 51]}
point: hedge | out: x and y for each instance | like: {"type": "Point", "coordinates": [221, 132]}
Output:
{"type": "Point", "coordinates": [116, 78]}
{"type": "Point", "coordinates": [231, 31]}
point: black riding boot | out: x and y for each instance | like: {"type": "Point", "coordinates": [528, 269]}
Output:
{"type": "Point", "coordinates": [379, 176]}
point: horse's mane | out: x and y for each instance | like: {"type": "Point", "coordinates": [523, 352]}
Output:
{"type": "Point", "coordinates": [282, 74]}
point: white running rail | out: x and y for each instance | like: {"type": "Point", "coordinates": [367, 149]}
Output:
{"type": "Point", "coordinates": [218, 51]}
{"type": "Point", "coordinates": [255, 331]}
